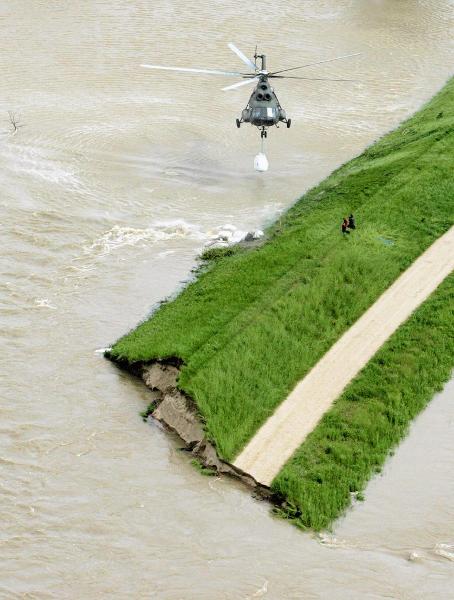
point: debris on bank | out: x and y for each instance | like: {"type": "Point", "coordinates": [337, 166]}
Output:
{"type": "Point", "coordinates": [228, 235]}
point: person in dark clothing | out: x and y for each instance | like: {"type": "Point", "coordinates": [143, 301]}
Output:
{"type": "Point", "coordinates": [351, 222]}
{"type": "Point", "coordinates": [344, 226]}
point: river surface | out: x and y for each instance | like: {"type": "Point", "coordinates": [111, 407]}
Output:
{"type": "Point", "coordinates": [115, 181]}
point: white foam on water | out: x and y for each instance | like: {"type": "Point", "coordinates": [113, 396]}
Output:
{"type": "Point", "coordinates": [331, 541]}
{"type": "Point", "coordinates": [165, 253]}
{"type": "Point", "coordinates": [414, 556]}
{"type": "Point", "coordinates": [226, 235]}
{"type": "Point", "coordinates": [102, 350]}
{"type": "Point", "coordinates": [44, 302]}
{"type": "Point", "coordinates": [120, 236]}
{"type": "Point", "coordinates": [445, 550]}
{"type": "Point", "coordinates": [260, 592]}
{"type": "Point", "coordinates": [33, 160]}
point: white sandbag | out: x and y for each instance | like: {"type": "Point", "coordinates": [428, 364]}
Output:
{"type": "Point", "coordinates": [260, 162]}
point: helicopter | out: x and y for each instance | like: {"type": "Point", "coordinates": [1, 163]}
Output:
{"type": "Point", "coordinates": [263, 109]}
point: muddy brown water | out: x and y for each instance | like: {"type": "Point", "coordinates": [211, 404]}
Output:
{"type": "Point", "coordinates": [108, 192]}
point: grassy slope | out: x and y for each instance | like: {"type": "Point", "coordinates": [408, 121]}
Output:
{"type": "Point", "coordinates": [354, 438]}
{"type": "Point", "coordinates": [251, 326]}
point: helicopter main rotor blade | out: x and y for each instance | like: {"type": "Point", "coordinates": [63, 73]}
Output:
{"type": "Point", "coordinates": [237, 85]}
{"type": "Point", "coordinates": [309, 78]}
{"type": "Point", "coordinates": [243, 57]}
{"type": "Point", "coordinates": [316, 63]}
{"type": "Point", "coordinates": [209, 71]}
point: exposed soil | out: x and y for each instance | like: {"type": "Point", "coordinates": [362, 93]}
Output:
{"type": "Point", "coordinates": [177, 412]}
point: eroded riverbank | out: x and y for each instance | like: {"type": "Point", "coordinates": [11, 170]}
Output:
{"type": "Point", "coordinates": [178, 413]}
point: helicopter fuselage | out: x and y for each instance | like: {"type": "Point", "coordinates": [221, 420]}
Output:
{"type": "Point", "coordinates": [263, 109]}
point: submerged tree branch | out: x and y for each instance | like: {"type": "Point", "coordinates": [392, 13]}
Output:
{"type": "Point", "coordinates": [14, 122]}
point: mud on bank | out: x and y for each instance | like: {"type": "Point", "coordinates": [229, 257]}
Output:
{"type": "Point", "coordinates": [178, 413]}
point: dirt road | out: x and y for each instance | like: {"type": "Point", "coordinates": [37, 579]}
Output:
{"type": "Point", "coordinates": [296, 417]}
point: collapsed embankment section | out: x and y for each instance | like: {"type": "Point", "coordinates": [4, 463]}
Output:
{"type": "Point", "coordinates": [178, 413]}
{"type": "Point", "coordinates": [255, 323]}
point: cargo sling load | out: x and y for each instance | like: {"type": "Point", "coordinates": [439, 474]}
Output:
{"type": "Point", "coordinates": [263, 109]}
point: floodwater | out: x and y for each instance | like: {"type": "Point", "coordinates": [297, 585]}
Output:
{"type": "Point", "coordinates": [109, 190]}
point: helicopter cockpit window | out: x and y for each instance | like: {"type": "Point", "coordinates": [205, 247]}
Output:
{"type": "Point", "coordinates": [264, 114]}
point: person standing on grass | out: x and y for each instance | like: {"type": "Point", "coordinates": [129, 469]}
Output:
{"type": "Point", "coordinates": [344, 226]}
{"type": "Point", "coordinates": [351, 222]}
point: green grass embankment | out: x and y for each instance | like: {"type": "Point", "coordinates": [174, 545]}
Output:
{"type": "Point", "coordinates": [354, 438]}
{"type": "Point", "coordinates": [254, 323]}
